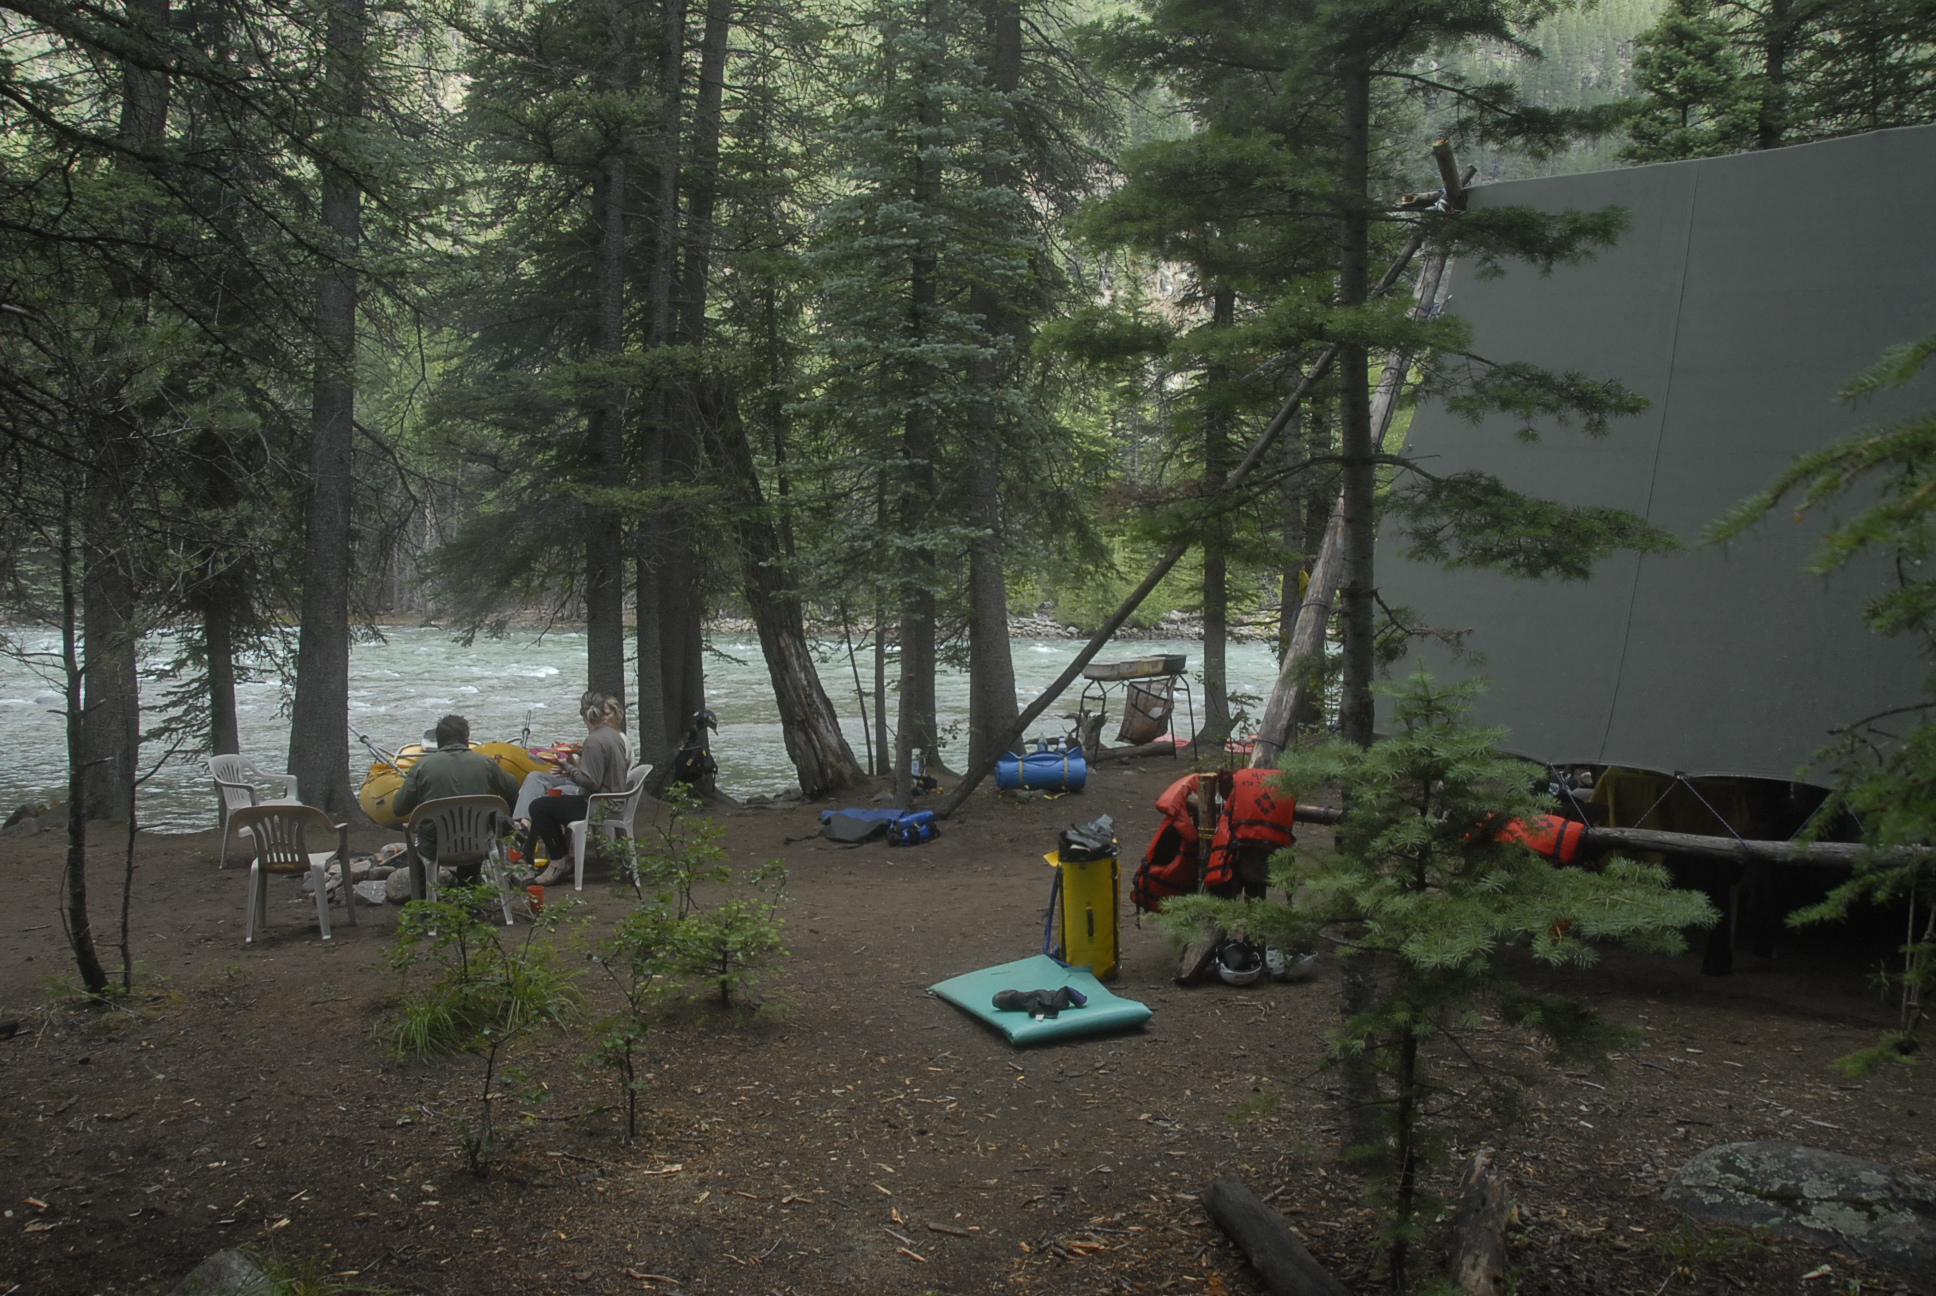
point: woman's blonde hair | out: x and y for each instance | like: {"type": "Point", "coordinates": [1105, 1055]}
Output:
{"type": "Point", "coordinates": [597, 707]}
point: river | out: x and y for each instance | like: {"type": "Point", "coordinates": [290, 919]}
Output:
{"type": "Point", "coordinates": [401, 683]}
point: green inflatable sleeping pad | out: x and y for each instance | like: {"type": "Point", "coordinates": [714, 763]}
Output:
{"type": "Point", "coordinates": [974, 993]}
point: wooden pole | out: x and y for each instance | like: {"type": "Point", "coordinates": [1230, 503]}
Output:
{"type": "Point", "coordinates": [1605, 840]}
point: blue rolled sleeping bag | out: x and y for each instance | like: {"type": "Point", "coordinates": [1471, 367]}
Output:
{"type": "Point", "coordinates": [1042, 771]}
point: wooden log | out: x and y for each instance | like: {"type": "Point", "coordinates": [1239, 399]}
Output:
{"type": "Point", "coordinates": [1267, 1241]}
{"type": "Point", "coordinates": [1479, 1229]}
{"type": "Point", "coordinates": [1833, 854]}
{"type": "Point", "coordinates": [1604, 840]}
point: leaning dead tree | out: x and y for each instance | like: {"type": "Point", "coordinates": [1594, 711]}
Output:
{"type": "Point", "coordinates": [1221, 498]}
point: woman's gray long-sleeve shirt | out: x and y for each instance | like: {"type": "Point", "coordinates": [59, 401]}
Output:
{"type": "Point", "coordinates": [604, 763]}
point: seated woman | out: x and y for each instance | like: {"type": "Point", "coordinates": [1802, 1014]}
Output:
{"type": "Point", "coordinates": [601, 767]}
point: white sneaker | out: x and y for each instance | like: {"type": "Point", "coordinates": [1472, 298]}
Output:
{"type": "Point", "coordinates": [556, 872]}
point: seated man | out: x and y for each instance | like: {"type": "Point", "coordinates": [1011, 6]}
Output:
{"type": "Point", "coordinates": [452, 770]}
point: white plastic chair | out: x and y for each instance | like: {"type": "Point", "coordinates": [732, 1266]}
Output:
{"type": "Point", "coordinates": [468, 830]}
{"type": "Point", "coordinates": [280, 833]}
{"type": "Point", "coordinates": [236, 786]}
{"type": "Point", "coordinates": [610, 813]}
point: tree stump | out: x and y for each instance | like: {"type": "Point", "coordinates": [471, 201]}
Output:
{"type": "Point", "coordinates": [1479, 1229]}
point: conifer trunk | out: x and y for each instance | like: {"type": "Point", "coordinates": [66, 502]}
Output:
{"type": "Point", "coordinates": [667, 621]}
{"type": "Point", "coordinates": [111, 719]}
{"type": "Point", "coordinates": [80, 928]}
{"type": "Point", "coordinates": [1778, 34]}
{"type": "Point", "coordinates": [991, 667]}
{"type": "Point", "coordinates": [1216, 588]}
{"type": "Point", "coordinates": [218, 644]}
{"type": "Point", "coordinates": [808, 722]}
{"type": "Point", "coordinates": [605, 423]}
{"type": "Point", "coordinates": [1358, 1076]}
{"type": "Point", "coordinates": [1354, 400]}
{"type": "Point", "coordinates": [319, 748]}
{"type": "Point", "coordinates": [916, 738]}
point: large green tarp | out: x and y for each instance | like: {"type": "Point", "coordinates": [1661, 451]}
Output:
{"type": "Point", "coordinates": [1747, 292]}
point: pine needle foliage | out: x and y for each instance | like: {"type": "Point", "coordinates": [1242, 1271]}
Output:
{"type": "Point", "coordinates": [1885, 765]}
{"type": "Point", "coordinates": [491, 986]}
{"type": "Point", "coordinates": [1443, 917]}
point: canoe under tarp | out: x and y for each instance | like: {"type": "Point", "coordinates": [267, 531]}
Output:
{"type": "Point", "coordinates": [1151, 667]}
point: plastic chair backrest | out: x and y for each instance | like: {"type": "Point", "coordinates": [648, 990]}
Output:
{"type": "Point", "coordinates": [279, 833]}
{"type": "Point", "coordinates": [467, 827]}
{"type": "Point", "coordinates": [235, 779]}
{"type": "Point", "coordinates": [620, 807]}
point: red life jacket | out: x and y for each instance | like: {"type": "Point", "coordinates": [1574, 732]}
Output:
{"type": "Point", "coordinates": [1255, 813]}
{"type": "Point", "coordinates": [1169, 866]}
{"type": "Point", "coordinates": [1549, 836]}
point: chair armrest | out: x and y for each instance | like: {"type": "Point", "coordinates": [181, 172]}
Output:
{"type": "Point", "coordinates": [288, 782]}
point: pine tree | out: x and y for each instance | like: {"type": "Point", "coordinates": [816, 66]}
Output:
{"type": "Point", "coordinates": [1885, 765]}
{"type": "Point", "coordinates": [1695, 100]}
{"type": "Point", "coordinates": [1436, 909]}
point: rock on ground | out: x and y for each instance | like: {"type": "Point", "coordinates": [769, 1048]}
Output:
{"type": "Point", "coordinates": [226, 1273]}
{"type": "Point", "coordinates": [1874, 1211]}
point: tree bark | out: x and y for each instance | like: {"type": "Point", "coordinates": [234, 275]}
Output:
{"type": "Point", "coordinates": [915, 719]}
{"type": "Point", "coordinates": [1216, 588]}
{"type": "Point", "coordinates": [1266, 1240]}
{"type": "Point", "coordinates": [111, 719]}
{"type": "Point", "coordinates": [991, 666]}
{"type": "Point", "coordinates": [74, 916]}
{"type": "Point", "coordinates": [605, 422]}
{"type": "Point", "coordinates": [666, 619]}
{"type": "Point", "coordinates": [1479, 1260]}
{"type": "Point", "coordinates": [319, 750]}
{"type": "Point", "coordinates": [1354, 408]}
{"type": "Point", "coordinates": [808, 722]}
{"type": "Point", "coordinates": [218, 645]}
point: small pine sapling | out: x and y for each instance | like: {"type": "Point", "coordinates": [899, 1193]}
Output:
{"type": "Point", "coordinates": [637, 958]}
{"type": "Point", "coordinates": [1434, 909]}
{"type": "Point", "coordinates": [490, 988]}
{"type": "Point", "coordinates": [725, 945]}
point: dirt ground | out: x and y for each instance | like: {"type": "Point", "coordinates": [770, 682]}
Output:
{"type": "Point", "coordinates": [857, 1135]}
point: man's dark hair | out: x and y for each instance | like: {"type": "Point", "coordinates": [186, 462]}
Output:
{"type": "Point", "coordinates": [453, 730]}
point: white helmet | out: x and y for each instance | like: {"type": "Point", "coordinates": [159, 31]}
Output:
{"type": "Point", "coordinates": [1239, 963]}
{"type": "Point", "coordinates": [1288, 967]}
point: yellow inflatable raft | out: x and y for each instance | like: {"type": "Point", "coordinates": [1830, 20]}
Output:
{"type": "Point", "coordinates": [385, 778]}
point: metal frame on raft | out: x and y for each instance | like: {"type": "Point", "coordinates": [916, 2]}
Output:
{"type": "Point", "coordinates": [1172, 667]}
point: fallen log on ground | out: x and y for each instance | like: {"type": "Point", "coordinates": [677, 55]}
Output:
{"type": "Point", "coordinates": [1267, 1241]}
{"type": "Point", "coordinates": [1479, 1230]}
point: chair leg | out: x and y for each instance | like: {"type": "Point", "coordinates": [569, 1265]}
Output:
{"type": "Point", "coordinates": [349, 890]}
{"type": "Point", "coordinates": [579, 831]}
{"type": "Point", "coordinates": [255, 883]}
{"type": "Point", "coordinates": [321, 875]}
